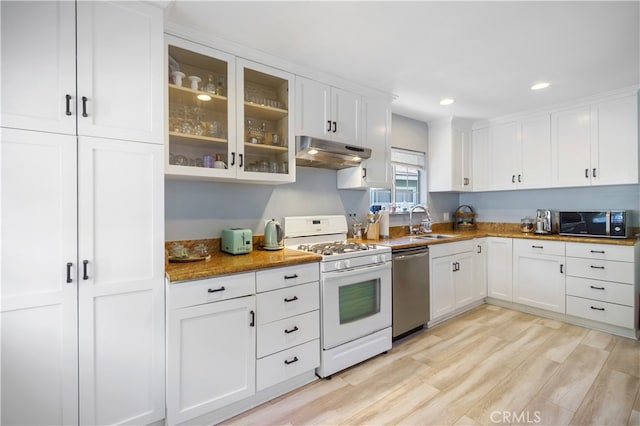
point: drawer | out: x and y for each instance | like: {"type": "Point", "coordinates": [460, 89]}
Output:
{"type": "Point", "coordinates": [604, 291]}
{"type": "Point", "coordinates": [609, 313]}
{"type": "Point", "coordinates": [286, 333]}
{"type": "Point", "coordinates": [197, 292]}
{"type": "Point", "coordinates": [273, 279]}
{"type": "Point", "coordinates": [526, 246]}
{"type": "Point", "coordinates": [606, 270]}
{"type": "Point", "coordinates": [601, 251]}
{"type": "Point", "coordinates": [287, 302]}
{"type": "Point", "coordinates": [284, 365]}
{"type": "Point", "coordinates": [447, 249]}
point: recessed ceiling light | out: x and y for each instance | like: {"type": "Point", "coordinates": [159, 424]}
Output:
{"type": "Point", "coordinates": [539, 86]}
{"type": "Point", "coordinates": [204, 97]}
{"type": "Point", "coordinates": [447, 101]}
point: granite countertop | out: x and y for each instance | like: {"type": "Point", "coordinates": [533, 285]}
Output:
{"type": "Point", "coordinates": [407, 241]}
{"type": "Point", "coordinates": [223, 263]}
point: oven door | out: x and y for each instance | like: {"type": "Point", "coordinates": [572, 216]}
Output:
{"type": "Point", "coordinates": [355, 302]}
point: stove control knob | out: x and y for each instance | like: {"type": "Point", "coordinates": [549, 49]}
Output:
{"type": "Point", "coordinates": [375, 259]}
{"type": "Point", "coordinates": [338, 265]}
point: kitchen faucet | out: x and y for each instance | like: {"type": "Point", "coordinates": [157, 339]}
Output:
{"type": "Point", "coordinates": [423, 209]}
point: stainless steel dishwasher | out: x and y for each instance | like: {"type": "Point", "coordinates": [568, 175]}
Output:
{"type": "Point", "coordinates": [410, 289]}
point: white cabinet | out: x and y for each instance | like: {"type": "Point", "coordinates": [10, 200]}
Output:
{"type": "Point", "coordinates": [538, 274]}
{"type": "Point", "coordinates": [94, 205]}
{"type": "Point", "coordinates": [451, 277]}
{"type": "Point", "coordinates": [374, 172]}
{"type": "Point", "coordinates": [480, 159]}
{"type": "Point", "coordinates": [499, 268]}
{"type": "Point", "coordinates": [241, 131]}
{"type": "Point", "coordinates": [480, 268]}
{"type": "Point", "coordinates": [210, 345]}
{"type": "Point", "coordinates": [602, 284]}
{"type": "Point", "coordinates": [89, 271]}
{"type": "Point", "coordinates": [450, 155]}
{"type": "Point", "coordinates": [119, 73]}
{"type": "Point", "coordinates": [327, 112]}
{"type": "Point", "coordinates": [288, 340]}
{"type": "Point", "coordinates": [520, 154]}
{"type": "Point", "coordinates": [596, 144]}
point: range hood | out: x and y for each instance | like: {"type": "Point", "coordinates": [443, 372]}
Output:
{"type": "Point", "coordinates": [325, 154]}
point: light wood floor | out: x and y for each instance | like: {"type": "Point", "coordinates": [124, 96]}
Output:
{"type": "Point", "coordinates": [489, 366]}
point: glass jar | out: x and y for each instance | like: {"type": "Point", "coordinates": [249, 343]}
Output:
{"type": "Point", "coordinates": [526, 224]}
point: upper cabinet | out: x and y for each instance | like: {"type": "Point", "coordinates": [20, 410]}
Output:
{"type": "Point", "coordinates": [450, 155]}
{"type": "Point", "coordinates": [519, 154]}
{"type": "Point", "coordinates": [480, 159]}
{"type": "Point", "coordinates": [327, 112]}
{"type": "Point", "coordinates": [596, 144]}
{"type": "Point", "coordinates": [119, 73]}
{"type": "Point", "coordinates": [229, 119]}
{"type": "Point", "coordinates": [375, 172]}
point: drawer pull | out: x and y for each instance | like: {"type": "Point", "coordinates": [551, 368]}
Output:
{"type": "Point", "coordinates": [597, 309]}
{"type": "Point", "coordinates": [294, 298]}
{"type": "Point", "coordinates": [540, 247]}
{"type": "Point", "coordinates": [596, 288]}
{"type": "Point", "coordinates": [215, 290]}
{"type": "Point", "coordinates": [295, 359]}
{"type": "Point", "coordinates": [596, 267]}
{"type": "Point", "coordinates": [295, 328]}
{"type": "Point", "coordinates": [290, 277]}
{"type": "Point", "coordinates": [597, 251]}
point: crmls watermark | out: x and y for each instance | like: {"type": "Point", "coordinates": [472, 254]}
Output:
{"type": "Point", "coordinates": [523, 417]}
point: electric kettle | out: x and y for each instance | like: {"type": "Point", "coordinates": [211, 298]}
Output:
{"type": "Point", "coordinates": [273, 235]}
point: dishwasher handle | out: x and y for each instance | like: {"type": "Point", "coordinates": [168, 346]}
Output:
{"type": "Point", "coordinates": [409, 253]}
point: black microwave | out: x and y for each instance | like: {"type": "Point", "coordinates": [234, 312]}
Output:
{"type": "Point", "coordinates": [602, 223]}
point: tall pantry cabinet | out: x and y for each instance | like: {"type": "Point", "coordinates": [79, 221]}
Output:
{"type": "Point", "coordinates": [82, 261]}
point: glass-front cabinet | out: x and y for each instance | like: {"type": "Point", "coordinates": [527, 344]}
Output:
{"type": "Point", "coordinates": [228, 119]}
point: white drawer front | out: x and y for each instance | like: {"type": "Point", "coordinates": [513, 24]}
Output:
{"type": "Point", "coordinates": [601, 251]}
{"type": "Point", "coordinates": [287, 364]}
{"type": "Point", "coordinates": [286, 333]}
{"type": "Point", "coordinates": [447, 249]}
{"type": "Point", "coordinates": [605, 291]}
{"type": "Point", "coordinates": [287, 302]}
{"type": "Point", "coordinates": [609, 313]}
{"type": "Point", "coordinates": [600, 269]}
{"type": "Point", "coordinates": [197, 292]}
{"type": "Point", "coordinates": [272, 279]}
{"type": "Point", "coordinates": [533, 246]}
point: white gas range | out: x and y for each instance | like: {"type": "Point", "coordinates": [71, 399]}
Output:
{"type": "Point", "coordinates": [355, 290]}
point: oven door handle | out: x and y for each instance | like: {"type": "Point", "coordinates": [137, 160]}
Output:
{"type": "Point", "coordinates": [358, 270]}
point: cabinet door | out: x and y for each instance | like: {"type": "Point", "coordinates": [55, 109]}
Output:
{"type": "Point", "coordinates": [615, 142]}
{"type": "Point", "coordinates": [480, 269]}
{"type": "Point", "coordinates": [38, 304]}
{"type": "Point", "coordinates": [504, 155]}
{"type": "Point", "coordinates": [499, 268]}
{"type": "Point", "coordinates": [261, 157]}
{"type": "Point", "coordinates": [442, 286]}
{"type": "Point", "coordinates": [313, 108]}
{"type": "Point", "coordinates": [120, 71]}
{"type": "Point", "coordinates": [346, 110]}
{"type": "Point", "coordinates": [535, 138]}
{"type": "Point", "coordinates": [211, 353]}
{"type": "Point", "coordinates": [38, 65]}
{"type": "Point", "coordinates": [464, 280]}
{"type": "Point", "coordinates": [538, 281]}
{"type": "Point", "coordinates": [121, 291]}
{"type": "Point", "coordinates": [376, 130]}
{"type": "Point", "coordinates": [571, 152]}
{"type": "Point", "coordinates": [480, 158]}
{"type": "Point", "coordinates": [201, 131]}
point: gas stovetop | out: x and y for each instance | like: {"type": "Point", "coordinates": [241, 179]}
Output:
{"type": "Point", "coordinates": [336, 247]}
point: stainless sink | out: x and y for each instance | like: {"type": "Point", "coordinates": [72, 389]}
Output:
{"type": "Point", "coordinates": [432, 236]}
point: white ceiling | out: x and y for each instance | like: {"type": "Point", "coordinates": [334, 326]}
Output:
{"type": "Point", "coordinates": [486, 55]}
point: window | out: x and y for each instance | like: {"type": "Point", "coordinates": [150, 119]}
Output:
{"type": "Point", "coordinates": [409, 183]}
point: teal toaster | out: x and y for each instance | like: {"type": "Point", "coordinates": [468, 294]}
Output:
{"type": "Point", "coordinates": [236, 241]}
